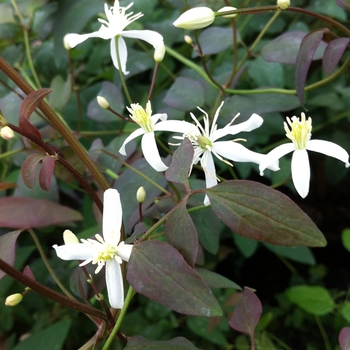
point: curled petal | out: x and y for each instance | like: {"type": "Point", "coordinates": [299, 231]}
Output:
{"type": "Point", "coordinates": [151, 153]}
{"type": "Point", "coordinates": [329, 149]}
{"type": "Point", "coordinates": [150, 36]}
{"type": "Point", "coordinates": [112, 216]}
{"type": "Point", "coordinates": [123, 53]}
{"type": "Point", "coordinates": [132, 136]}
{"type": "Point", "coordinates": [301, 172]}
{"type": "Point", "coordinates": [114, 282]}
{"type": "Point", "coordinates": [124, 251]}
{"type": "Point", "coordinates": [156, 117]}
{"type": "Point", "coordinates": [274, 155]}
{"type": "Point", "coordinates": [75, 251]}
{"type": "Point", "coordinates": [207, 163]}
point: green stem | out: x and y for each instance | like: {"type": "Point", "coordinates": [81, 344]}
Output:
{"type": "Point", "coordinates": [323, 332]}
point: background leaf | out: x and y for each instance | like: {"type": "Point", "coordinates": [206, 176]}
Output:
{"type": "Point", "coordinates": [8, 247]}
{"type": "Point", "coordinates": [141, 343]}
{"type": "Point", "coordinates": [333, 53]}
{"type": "Point", "coordinates": [46, 172]}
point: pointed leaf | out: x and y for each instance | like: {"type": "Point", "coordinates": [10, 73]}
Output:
{"type": "Point", "coordinates": [22, 212]}
{"type": "Point", "coordinates": [28, 169]}
{"type": "Point", "coordinates": [344, 338]}
{"type": "Point", "coordinates": [27, 126]}
{"type": "Point", "coordinates": [46, 172]}
{"type": "Point", "coordinates": [214, 280]}
{"type": "Point", "coordinates": [182, 234]}
{"type": "Point", "coordinates": [305, 55]}
{"type": "Point", "coordinates": [28, 272]}
{"type": "Point", "coordinates": [141, 343]}
{"type": "Point", "coordinates": [313, 299]}
{"type": "Point", "coordinates": [259, 212]}
{"type": "Point", "coordinates": [159, 272]}
{"type": "Point", "coordinates": [344, 4]}
{"type": "Point", "coordinates": [333, 53]}
{"type": "Point", "coordinates": [181, 164]}
{"type": "Point", "coordinates": [247, 313]}
{"type": "Point", "coordinates": [7, 248]}
{"type": "Point", "coordinates": [32, 101]}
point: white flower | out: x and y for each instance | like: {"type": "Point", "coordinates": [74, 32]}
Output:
{"type": "Point", "coordinates": [6, 133]}
{"type": "Point", "coordinates": [195, 18]}
{"type": "Point", "coordinates": [104, 251]}
{"type": "Point", "coordinates": [204, 140]}
{"type": "Point", "coordinates": [148, 124]}
{"type": "Point", "coordinates": [113, 28]}
{"type": "Point", "coordinates": [299, 132]}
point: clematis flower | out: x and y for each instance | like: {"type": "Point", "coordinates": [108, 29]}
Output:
{"type": "Point", "coordinates": [299, 132]}
{"type": "Point", "coordinates": [204, 140]}
{"type": "Point", "coordinates": [104, 251]}
{"type": "Point", "coordinates": [113, 29]}
{"type": "Point", "coordinates": [148, 125]}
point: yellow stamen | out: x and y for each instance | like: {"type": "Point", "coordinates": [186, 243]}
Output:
{"type": "Point", "coordinates": [298, 131]}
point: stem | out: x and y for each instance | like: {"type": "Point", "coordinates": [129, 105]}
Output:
{"type": "Point", "coordinates": [323, 332]}
{"type": "Point", "coordinates": [155, 71]}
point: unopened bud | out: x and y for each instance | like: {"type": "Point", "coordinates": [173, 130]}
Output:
{"type": "Point", "coordinates": [188, 39]}
{"type": "Point", "coordinates": [69, 237]}
{"type": "Point", "coordinates": [103, 103]}
{"type": "Point", "coordinates": [6, 133]}
{"type": "Point", "coordinates": [228, 8]}
{"type": "Point", "coordinates": [159, 53]}
{"type": "Point", "coordinates": [283, 4]}
{"type": "Point", "coordinates": [141, 195]}
{"type": "Point", "coordinates": [196, 18]}
{"type": "Point", "coordinates": [65, 43]}
{"type": "Point", "coordinates": [13, 299]}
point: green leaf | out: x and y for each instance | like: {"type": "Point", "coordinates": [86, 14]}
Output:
{"type": "Point", "coordinates": [61, 92]}
{"type": "Point", "coordinates": [345, 238]}
{"type": "Point", "coordinates": [313, 299]}
{"type": "Point", "coordinates": [141, 343]}
{"type": "Point", "coordinates": [214, 280]}
{"type": "Point", "coordinates": [345, 311]}
{"type": "Point", "coordinates": [245, 245]}
{"type": "Point", "coordinates": [259, 212]}
{"type": "Point", "coordinates": [159, 272]}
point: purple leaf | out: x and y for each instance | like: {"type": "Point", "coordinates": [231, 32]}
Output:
{"type": "Point", "coordinates": [181, 164]}
{"type": "Point", "coordinates": [28, 169]}
{"type": "Point", "coordinates": [140, 343]}
{"type": "Point", "coordinates": [344, 338]}
{"type": "Point", "coordinates": [7, 248]}
{"type": "Point", "coordinates": [32, 101]}
{"type": "Point", "coordinates": [259, 212]}
{"type": "Point", "coordinates": [22, 212]}
{"type": "Point", "coordinates": [344, 4]}
{"type": "Point", "coordinates": [247, 314]}
{"type": "Point", "coordinates": [27, 126]}
{"type": "Point", "coordinates": [305, 55]}
{"type": "Point", "coordinates": [28, 272]}
{"type": "Point", "coordinates": [182, 234]}
{"type": "Point", "coordinates": [46, 172]}
{"type": "Point", "coordinates": [333, 53]}
{"type": "Point", "coordinates": [159, 272]}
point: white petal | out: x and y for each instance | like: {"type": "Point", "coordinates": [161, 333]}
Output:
{"type": "Point", "coordinates": [175, 126]}
{"type": "Point", "coordinates": [277, 153]}
{"type": "Point", "coordinates": [329, 149]}
{"type": "Point", "coordinates": [114, 282]}
{"type": "Point", "coordinates": [124, 251]}
{"type": "Point", "coordinates": [150, 152]}
{"type": "Point", "coordinates": [208, 165]}
{"type": "Point", "coordinates": [73, 39]}
{"type": "Point", "coordinates": [156, 117]}
{"type": "Point", "coordinates": [132, 136]}
{"type": "Point", "coordinates": [75, 251]}
{"type": "Point", "coordinates": [123, 53]}
{"type": "Point", "coordinates": [112, 216]}
{"type": "Point", "coordinates": [150, 36]}
{"type": "Point", "coordinates": [301, 172]}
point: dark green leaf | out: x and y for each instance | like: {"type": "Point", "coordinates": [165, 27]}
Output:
{"type": "Point", "coordinates": [141, 343]}
{"type": "Point", "coordinates": [214, 280]}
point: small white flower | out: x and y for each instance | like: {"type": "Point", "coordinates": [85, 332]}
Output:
{"type": "Point", "coordinates": [196, 18]}
{"type": "Point", "coordinates": [204, 140]}
{"type": "Point", "coordinates": [104, 251]}
{"type": "Point", "coordinates": [299, 132]}
{"type": "Point", "coordinates": [113, 28]}
{"type": "Point", "coordinates": [148, 124]}
{"type": "Point", "coordinates": [6, 133]}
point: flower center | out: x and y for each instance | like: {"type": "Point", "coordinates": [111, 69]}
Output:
{"type": "Point", "coordinates": [204, 142]}
{"type": "Point", "coordinates": [298, 131]}
{"type": "Point", "coordinates": [141, 116]}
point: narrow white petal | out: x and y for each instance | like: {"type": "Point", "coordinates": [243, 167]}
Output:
{"type": "Point", "coordinates": [207, 163]}
{"type": "Point", "coordinates": [123, 53]}
{"type": "Point", "coordinates": [132, 136]}
{"type": "Point", "coordinates": [272, 157]}
{"type": "Point", "coordinates": [75, 251]}
{"type": "Point", "coordinates": [73, 39]}
{"type": "Point", "coordinates": [330, 149]}
{"type": "Point", "coordinates": [114, 282]}
{"type": "Point", "coordinates": [124, 251]}
{"type": "Point", "coordinates": [156, 117]}
{"type": "Point", "coordinates": [150, 152]}
{"type": "Point", "coordinates": [112, 216]}
{"type": "Point", "coordinates": [150, 36]}
{"type": "Point", "coordinates": [301, 172]}
{"type": "Point", "coordinates": [175, 126]}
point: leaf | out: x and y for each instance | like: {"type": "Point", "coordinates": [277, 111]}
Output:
{"type": "Point", "coordinates": [28, 169]}
{"type": "Point", "coordinates": [259, 212]}
{"type": "Point", "coordinates": [182, 234]}
{"type": "Point", "coordinates": [313, 299]}
{"type": "Point", "coordinates": [345, 237]}
{"type": "Point", "coordinates": [344, 4]}
{"type": "Point", "coordinates": [61, 92]}
{"type": "Point", "coordinates": [185, 94]}
{"type": "Point", "coordinates": [211, 40]}
{"type": "Point", "coordinates": [344, 338]}
{"type": "Point", "coordinates": [159, 272]}
{"type": "Point", "coordinates": [27, 126]}
{"type": "Point", "coordinates": [181, 164]}
{"type": "Point", "coordinates": [247, 314]}
{"type": "Point", "coordinates": [140, 343]}
{"type": "Point", "coordinates": [46, 172]}
{"type": "Point", "coordinates": [22, 212]}
{"type": "Point", "coordinates": [32, 101]}
{"type": "Point", "coordinates": [214, 280]}
{"type": "Point", "coordinates": [333, 53]}
{"type": "Point", "coordinates": [28, 272]}
{"type": "Point", "coordinates": [305, 55]}
{"type": "Point", "coordinates": [7, 248]}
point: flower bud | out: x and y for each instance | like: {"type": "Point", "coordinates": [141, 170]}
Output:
{"type": "Point", "coordinates": [66, 44]}
{"type": "Point", "coordinates": [283, 4]}
{"type": "Point", "coordinates": [13, 299]}
{"type": "Point", "coordinates": [188, 39]}
{"type": "Point", "coordinates": [69, 237]}
{"type": "Point", "coordinates": [196, 18]}
{"type": "Point", "coordinates": [103, 103]}
{"type": "Point", "coordinates": [141, 195]}
{"type": "Point", "coordinates": [159, 53]}
{"type": "Point", "coordinates": [228, 8]}
{"type": "Point", "coordinates": [6, 133]}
